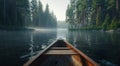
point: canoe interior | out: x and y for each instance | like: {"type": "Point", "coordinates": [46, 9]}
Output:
{"type": "Point", "coordinates": [61, 54]}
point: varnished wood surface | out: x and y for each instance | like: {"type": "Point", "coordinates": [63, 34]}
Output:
{"type": "Point", "coordinates": [58, 60]}
{"type": "Point", "coordinates": [60, 48]}
{"type": "Point", "coordinates": [60, 52]}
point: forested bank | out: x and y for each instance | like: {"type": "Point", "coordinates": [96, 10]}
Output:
{"type": "Point", "coordinates": [93, 14]}
{"type": "Point", "coordinates": [19, 14]}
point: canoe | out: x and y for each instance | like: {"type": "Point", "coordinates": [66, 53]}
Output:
{"type": "Point", "coordinates": [61, 53]}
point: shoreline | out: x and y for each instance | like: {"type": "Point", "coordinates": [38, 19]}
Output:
{"type": "Point", "coordinates": [16, 29]}
{"type": "Point", "coordinates": [102, 30]}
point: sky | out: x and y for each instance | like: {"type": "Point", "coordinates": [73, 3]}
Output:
{"type": "Point", "coordinates": [58, 7]}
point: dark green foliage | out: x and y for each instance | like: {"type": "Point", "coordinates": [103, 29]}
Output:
{"type": "Point", "coordinates": [20, 14]}
{"type": "Point", "coordinates": [106, 23]}
{"type": "Point", "coordinates": [114, 24]}
{"type": "Point", "coordinates": [69, 14]}
{"type": "Point", "coordinates": [102, 14]}
{"type": "Point", "coordinates": [14, 13]}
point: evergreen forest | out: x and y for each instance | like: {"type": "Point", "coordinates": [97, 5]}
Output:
{"type": "Point", "coordinates": [21, 14]}
{"type": "Point", "coordinates": [93, 14]}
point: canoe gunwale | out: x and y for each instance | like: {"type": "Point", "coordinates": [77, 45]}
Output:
{"type": "Point", "coordinates": [82, 54]}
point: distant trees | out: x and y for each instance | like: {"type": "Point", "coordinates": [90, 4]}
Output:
{"type": "Point", "coordinates": [42, 18]}
{"type": "Point", "coordinates": [62, 24]}
{"type": "Point", "coordinates": [93, 14]}
{"type": "Point", "coordinates": [23, 13]}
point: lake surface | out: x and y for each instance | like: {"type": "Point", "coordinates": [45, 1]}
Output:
{"type": "Point", "coordinates": [16, 47]}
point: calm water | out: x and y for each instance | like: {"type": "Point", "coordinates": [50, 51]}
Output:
{"type": "Point", "coordinates": [16, 47]}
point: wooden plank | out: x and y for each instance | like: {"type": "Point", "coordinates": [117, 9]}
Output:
{"type": "Point", "coordinates": [60, 52]}
{"type": "Point", "coordinates": [59, 48]}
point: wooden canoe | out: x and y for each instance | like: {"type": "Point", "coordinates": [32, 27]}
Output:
{"type": "Point", "coordinates": [61, 53]}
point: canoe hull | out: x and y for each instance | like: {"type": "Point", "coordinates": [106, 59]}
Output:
{"type": "Point", "coordinates": [61, 53]}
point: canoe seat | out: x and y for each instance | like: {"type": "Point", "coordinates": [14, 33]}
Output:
{"type": "Point", "coordinates": [59, 48]}
{"type": "Point", "coordinates": [60, 52]}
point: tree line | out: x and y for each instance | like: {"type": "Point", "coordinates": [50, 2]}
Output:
{"type": "Point", "coordinates": [42, 18]}
{"type": "Point", "coordinates": [93, 14]}
{"type": "Point", "coordinates": [25, 13]}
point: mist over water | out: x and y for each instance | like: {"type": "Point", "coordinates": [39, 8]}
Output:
{"type": "Point", "coordinates": [16, 47]}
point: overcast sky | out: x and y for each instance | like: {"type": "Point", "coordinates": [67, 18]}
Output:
{"type": "Point", "coordinates": [58, 7]}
